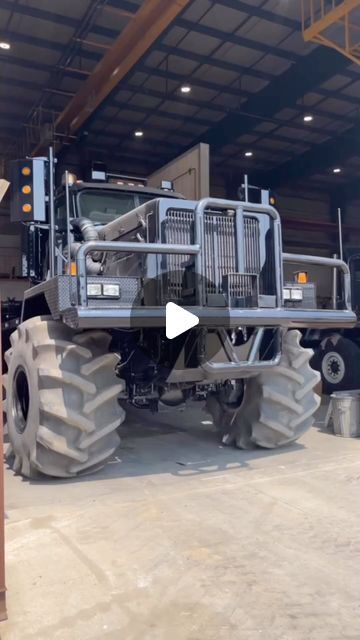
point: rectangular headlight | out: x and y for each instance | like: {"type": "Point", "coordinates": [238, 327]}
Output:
{"type": "Point", "coordinates": [111, 290]}
{"type": "Point", "coordinates": [94, 290]}
{"type": "Point", "coordinates": [296, 294]}
{"type": "Point", "coordinates": [287, 294]}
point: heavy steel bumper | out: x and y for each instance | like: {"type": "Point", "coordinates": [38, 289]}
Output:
{"type": "Point", "coordinates": [84, 316]}
{"type": "Point", "coordinates": [125, 318]}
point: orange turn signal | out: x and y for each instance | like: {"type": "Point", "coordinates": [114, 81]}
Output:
{"type": "Point", "coordinates": [27, 208]}
{"type": "Point", "coordinates": [71, 269]}
{"type": "Point", "coordinates": [26, 189]}
{"type": "Point", "coordinates": [26, 171]}
{"type": "Point", "coordinates": [301, 277]}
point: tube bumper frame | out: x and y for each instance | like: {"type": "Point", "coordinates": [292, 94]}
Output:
{"type": "Point", "coordinates": [145, 317]}
{"type": "Point", "coordinates": [83, 316]}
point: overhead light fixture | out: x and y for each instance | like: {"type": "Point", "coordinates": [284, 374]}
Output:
{"type": "Point", "coordinates": [308, 118]}
{"type": "Point", "coordinates": [248, 154]}
{"type": "Point", "coordinates": [5, 45]}
{"type": "Point", "coordinates": [337, 170]}
{"type": "Point", "coordinates": [138, 133]}
{"type": "Point", "coordinates": [185, 88]}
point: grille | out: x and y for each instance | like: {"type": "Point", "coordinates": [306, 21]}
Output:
{"type": "Point", "coordinates": [178, 229]}
{"type": "Point", "coordinates": [252, 245]}
{"type": "Point", "coordinates": [242, 289]}
{"type": "Point", "coordinates": [220, 250]}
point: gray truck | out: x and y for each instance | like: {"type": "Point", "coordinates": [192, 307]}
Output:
{"type": "Point", "coordinates": [105, 260]}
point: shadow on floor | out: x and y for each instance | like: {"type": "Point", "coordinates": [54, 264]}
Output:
{"type": "Point", "coordinates": [179, 443]}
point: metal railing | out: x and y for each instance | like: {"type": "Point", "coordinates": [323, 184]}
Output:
{"type": "Point", "coordinates": [333, 23]}
{"type": "Point", "coordinates": [209, 316]}
{"type": "Point", "coordinates": [333, 263]}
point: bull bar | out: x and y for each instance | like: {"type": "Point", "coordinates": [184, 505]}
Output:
{"type": "Point", "coordinates": [84, 316]}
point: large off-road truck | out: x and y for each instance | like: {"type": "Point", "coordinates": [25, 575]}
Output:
{"type": "Point", "coordinates": [337, 351]}
{"type": "Point", "coordinates": [105, 260]}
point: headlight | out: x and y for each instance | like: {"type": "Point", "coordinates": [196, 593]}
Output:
{"type": "Point", "coordinates": [94, 290]}
{"type": "Point", "coordinates": [287, 294]}
{"type": "Point", "coordinates": [111, 290]}
{"type": "Point", "coordinates": [296, 294]}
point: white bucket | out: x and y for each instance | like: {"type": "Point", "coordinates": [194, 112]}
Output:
{"type": "Point", "coordinates": [346, 413]}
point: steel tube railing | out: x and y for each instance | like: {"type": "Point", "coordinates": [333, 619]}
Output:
{"type": "Point", "coordinates": [294, 258]}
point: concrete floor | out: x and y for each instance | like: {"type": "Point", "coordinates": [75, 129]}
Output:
{"type": "Point", "coordinates": [181, 539]}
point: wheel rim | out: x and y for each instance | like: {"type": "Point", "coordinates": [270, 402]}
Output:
{"type": "Point", "coordinates": [333, 367]}
{"type": "Point", "coordinates": [21, 399]}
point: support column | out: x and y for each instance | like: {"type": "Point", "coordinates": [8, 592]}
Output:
{"type": "Point", "coordinates": [3, 612]}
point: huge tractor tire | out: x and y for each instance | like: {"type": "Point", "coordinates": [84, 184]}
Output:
{"type": "Point", "coordinates": [338, 361]}
{"type": "Point", "coordinates": [278, 405]}
{"type": "Point", "coordinates": [61, 400]}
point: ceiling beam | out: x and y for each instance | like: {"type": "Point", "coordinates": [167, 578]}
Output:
{"type": "Point", "coordinates": [238, 5]}
{"type": "Point", "coordinates": [27, 63]}
{"type": "Point", "coordinates": [241, 70]}
{"type": "Point", "coordinates": [213, 62]}
{"type": "Point", "coordinates": [301, 78]}
{"type": "Point", "coordinates": [202, 122]}
{"type": "Point", "coordinates": [35, 86]}
{"type": "Point", "coordinates": [168, 51]}
{"type": "Point", "coordinates": [200, 104]}
{"type": "Point", "coordinates": [261, 13]}
{"type": "Point", "coordinates": [149, 23]}
{"type": "Point", "coordinates": [177, 77]}
{"type": "Point", "coordinates": [55, 18]}
{"type": "Point", "coordinates": [122, 5]}
{"type": "Point", "coordinates": [52, 45]}
{"type": "Point", "coordinates": [39, 14]}
{"type": "Point", "coordinates": [319, 158]}
{"type": "Point", "coordinates": [254, 45]}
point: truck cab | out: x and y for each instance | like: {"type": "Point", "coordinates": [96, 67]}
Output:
{"type": "Point", "coordinates": [98, 202]}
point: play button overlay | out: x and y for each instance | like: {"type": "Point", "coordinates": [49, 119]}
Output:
{"type": "Point", "coordinates": [178, 320]}
{"type": "Point", "coordinates": [174, 295]}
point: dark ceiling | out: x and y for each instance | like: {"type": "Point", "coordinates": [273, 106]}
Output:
{"type": "Point", "coordinates": [252, 77]}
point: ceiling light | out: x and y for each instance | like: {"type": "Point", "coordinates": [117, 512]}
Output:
{"type": "Point", "coordinates": [138, 133]}
{"type": "Point", "coordinates": [337, 170]}
{"type": "Point", "coordinates": [5, 46]}
{"type": "Point", "coordinates": [308, 118]}
{"type": "Point", "coordinates": [185, 88]}
{"type": "Point", "coordinates": [248, 154]}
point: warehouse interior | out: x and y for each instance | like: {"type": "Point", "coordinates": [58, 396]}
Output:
{"type": "Point", "coordinates": [178, 534]}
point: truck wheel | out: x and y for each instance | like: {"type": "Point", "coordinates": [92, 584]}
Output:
{"type": "Point", "coordinates": [61, 399]}
{"type": "Point", "coordinates": [279, 404]}
{"type": "Point", "coordinates": [338, 361]}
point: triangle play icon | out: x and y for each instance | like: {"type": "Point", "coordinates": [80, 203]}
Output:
{"type": "Point", "coordinates": [178, 320]}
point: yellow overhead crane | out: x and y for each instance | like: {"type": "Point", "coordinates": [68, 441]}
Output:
{"type": "Point", "coordinates": [333, 23]}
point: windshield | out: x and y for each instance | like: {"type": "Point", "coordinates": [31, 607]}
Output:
{"type": "Point", "coordinates": [105, 206]}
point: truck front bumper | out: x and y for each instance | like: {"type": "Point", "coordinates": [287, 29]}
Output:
{"type": "Point", "coordinates": [145, 317]}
